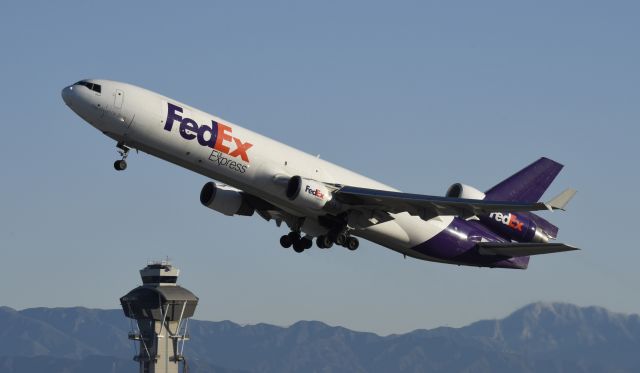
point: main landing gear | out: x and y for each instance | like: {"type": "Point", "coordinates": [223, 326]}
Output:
{"type": "Point", "coordinates": [339, 238]}
{"type": "Point", "coordinates": [121, 165]}
{"type": "Point", "coordinates": [301, 244]}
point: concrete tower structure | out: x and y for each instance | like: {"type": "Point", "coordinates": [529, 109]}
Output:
{"type": "Point", "coordinates": [161, 310]}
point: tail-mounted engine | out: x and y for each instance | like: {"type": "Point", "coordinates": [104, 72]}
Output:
{"type": "Point", "coordinates": [225, 200]}
{"type": "Point", "coordinates": [513, 226]}
{"type": "Point", "coordinates": [459, 190]}
{"type": "Point", "coordinates": [517, 227]}
{"type": "Point", "coordinates": [308, 193]}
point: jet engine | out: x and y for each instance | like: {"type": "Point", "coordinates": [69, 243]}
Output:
{"type": "Point", "coordinates": [459, 190]}
{"type": "Point", "coordinates": [514, 226]}
{"type": "Point", "coordinates": [308, 193]}
{"type": "Point", "coordinates": [225, 200]}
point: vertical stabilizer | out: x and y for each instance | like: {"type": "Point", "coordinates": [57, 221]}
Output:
{"type": "Point", "coordinates": [528, 184]}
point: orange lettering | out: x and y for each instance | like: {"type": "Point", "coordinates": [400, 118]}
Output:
{"type": "Point", "coordinates": [223, 136]}
{"type": "Point", "coordinates": [241, 149]}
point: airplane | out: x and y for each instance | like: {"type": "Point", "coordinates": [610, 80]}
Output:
{"type": "Point", "coordinates": [319, 200]}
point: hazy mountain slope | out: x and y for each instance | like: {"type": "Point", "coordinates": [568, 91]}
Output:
{"type": "Point", "coordinates": [550, 337]}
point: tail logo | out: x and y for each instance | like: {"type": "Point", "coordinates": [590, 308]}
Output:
{"type": "Point", "coordinates": [510, 220]}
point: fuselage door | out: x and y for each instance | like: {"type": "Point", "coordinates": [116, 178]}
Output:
{"type": "Point", "coordinates": [118, 99]}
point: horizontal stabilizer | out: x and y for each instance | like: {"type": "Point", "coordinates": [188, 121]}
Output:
{"type": "Point", "coordinates": [521, 249]}
{"type": "Point", "coordinates": [560, 201]}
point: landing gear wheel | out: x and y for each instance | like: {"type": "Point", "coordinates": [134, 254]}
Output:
{"type": "Point", "coordinates": [285, 241]}
{"type": "Point", "coordinates": [324, 242]}
{"type": "Point", "coordinates": [342, 239]}
{"type": "Point", "coordinates": [307, 242]}
{"type": "Point", "coordinates": [352, 243]}
{"type": "Point", "coordinates": [120, 165]}
{"type": "Point", "coordinates": [299, 245]}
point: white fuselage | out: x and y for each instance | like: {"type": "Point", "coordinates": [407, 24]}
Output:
{"type": "Point", "coordinates": [234, 155]}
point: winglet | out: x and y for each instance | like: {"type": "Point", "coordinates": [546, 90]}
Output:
{"type": "Point", "coordinates": [560, 201]}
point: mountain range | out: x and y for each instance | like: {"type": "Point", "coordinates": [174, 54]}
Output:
{"type": "Point", "coordinates": [540, 337]}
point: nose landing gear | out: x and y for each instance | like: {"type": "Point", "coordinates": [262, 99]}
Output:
{"type": "Point", "coordinates": [123, 150]}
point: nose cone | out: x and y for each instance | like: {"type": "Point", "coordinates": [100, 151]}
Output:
{"type": "Point", "coordinates": [67, 95]}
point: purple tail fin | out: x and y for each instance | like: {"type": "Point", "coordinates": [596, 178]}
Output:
{"type": "Point", "coordinates": [528, 185]}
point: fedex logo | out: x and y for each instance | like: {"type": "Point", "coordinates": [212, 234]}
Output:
{"type": "Point", "coordinates": [218, 136]}
{"type": "Point", "coordinates": [510, 220]}
{"type": "Point", "coordinates": [314, 192]}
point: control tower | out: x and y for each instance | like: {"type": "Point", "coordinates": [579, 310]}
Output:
{"type": "Point", "coordinates": [161, 310]}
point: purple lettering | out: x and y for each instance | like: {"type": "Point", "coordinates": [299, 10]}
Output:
{"type": "Point", "coordinates": [188, 124]}
{"type": "Point", "coordinates": [172, 116]}
{"type": "Point", "coordinates": [213, 134]}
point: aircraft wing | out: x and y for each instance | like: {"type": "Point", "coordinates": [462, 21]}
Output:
{"type": "Point", "coordinates": [521, 249]}
{"type": "Point", "coordinates": [428, 207]}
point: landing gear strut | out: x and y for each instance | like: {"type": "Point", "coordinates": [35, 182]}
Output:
{"type": "Point", "coordinates": [123, 150]}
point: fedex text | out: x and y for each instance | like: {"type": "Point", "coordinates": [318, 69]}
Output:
{"type": "Point", "coordinates": [218, 137]}
{"type": "Point", "coordinates": [510, 220]}
{"type": "Point", "coordinates": [314, 192]}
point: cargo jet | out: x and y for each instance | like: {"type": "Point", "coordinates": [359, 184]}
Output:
{"type": "Point", "coordinates": [319, 200]}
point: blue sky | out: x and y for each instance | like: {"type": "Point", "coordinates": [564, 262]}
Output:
{"type": "Point", "coordinates": [416, 94]}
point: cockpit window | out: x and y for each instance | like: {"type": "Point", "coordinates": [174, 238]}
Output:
{"type": "Point", "coordinates": [92, 86]}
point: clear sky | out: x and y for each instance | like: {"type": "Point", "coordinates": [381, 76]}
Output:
{"type": "Point", "coordinates": [418, 95]}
